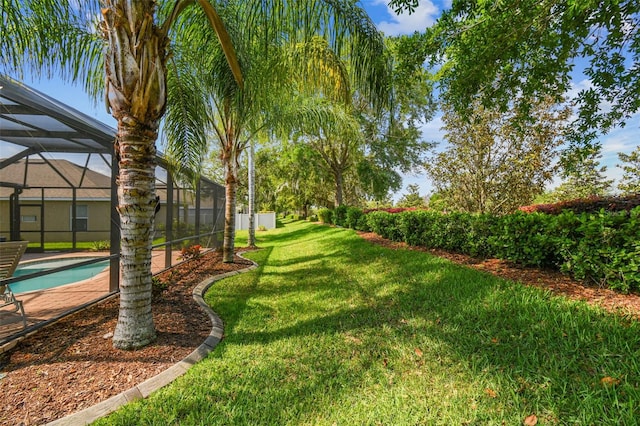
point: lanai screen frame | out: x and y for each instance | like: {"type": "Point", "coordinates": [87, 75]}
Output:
{"type": "Point", "coordinates": [40, 124]}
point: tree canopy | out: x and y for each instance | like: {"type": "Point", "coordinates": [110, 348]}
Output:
{"type": "Point", "coordinates": [494, 164]}
{"type": "Point", "coordinates": [630, 181]}
{"type": "Point", "coordinates": [512, 51]}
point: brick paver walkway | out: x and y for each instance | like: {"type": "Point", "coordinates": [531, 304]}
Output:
{"type": "Point", "coordinates": [43, 305]}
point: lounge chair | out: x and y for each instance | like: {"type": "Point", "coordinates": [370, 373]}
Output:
{"type": "Point", "coordinates": [10, 254]}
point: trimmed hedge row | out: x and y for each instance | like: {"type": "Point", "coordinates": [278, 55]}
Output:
{"type": "Point", "coordinates": [602, 247]}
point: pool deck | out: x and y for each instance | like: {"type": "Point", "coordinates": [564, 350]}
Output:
{"type": "Point", "coordinates": [44, 305]}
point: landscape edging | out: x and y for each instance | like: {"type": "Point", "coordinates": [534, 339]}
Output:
{"type": "Point", "coordinates": [144, 389]}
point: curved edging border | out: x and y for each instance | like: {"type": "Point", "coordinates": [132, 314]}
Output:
{"type": "Point", "coordinates": [144, 389]}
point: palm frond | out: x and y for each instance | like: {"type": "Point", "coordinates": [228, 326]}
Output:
{"type": "Point", "coordinates": [185, 120]}
{"type": "Point", "coordinates": [53, 37]}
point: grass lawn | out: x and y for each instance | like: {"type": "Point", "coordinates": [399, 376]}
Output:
{"type": "Point", "coordinates": [331, 330]}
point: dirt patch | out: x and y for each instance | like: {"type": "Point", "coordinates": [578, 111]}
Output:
{"type": "Point", "coordinates": [72, 365]}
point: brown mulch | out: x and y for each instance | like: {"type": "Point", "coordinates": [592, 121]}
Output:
{"type": "Point", "coordinates": [72, 365]}
{"type": "Point", "coordinates": [554, 281]}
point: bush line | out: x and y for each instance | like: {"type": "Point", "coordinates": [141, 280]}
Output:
{"type": "Point", "coordinates": [601, 247]}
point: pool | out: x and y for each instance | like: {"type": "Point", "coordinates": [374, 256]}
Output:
{"type": "Point", "coordinates": [56, 279]}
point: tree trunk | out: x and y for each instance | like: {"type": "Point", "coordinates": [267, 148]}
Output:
{"type": "Point", "coordinates": [136, 206]}
{"type": "Point", "coordinates": [339, 188]}
{"type": "Point", "coordinates": [135, 60]}
{"type": "Point", "coordinates": [252, 199]}
{"type": "Point", "coordinates": [231, 185]}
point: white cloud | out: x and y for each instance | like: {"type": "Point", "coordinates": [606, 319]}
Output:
{"type": "Point", "coordinates": [424, 16]}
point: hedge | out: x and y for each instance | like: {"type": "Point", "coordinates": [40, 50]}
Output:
{"type": "Point", "coordinates": [601, 247]}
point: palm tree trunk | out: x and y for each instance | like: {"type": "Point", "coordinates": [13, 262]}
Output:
{"type": "Point", "coordinates": [135, 66]}
{"type": "Point", "coordinates": [252, 199]}
{"type": "Point", "coordinates": [136, 206]}
{"type": "Point", "coordinates": [231, 185]}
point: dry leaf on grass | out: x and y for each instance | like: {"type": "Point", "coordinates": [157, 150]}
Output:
{"type": "Point", "coordinates": [609, 381]}
{"type": "Point", "coordinates": [491, 393]}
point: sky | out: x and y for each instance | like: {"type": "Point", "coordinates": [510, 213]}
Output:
{"type": "Point", "coordinates": [619, 140]}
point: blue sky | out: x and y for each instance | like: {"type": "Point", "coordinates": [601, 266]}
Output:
{"type": "Point", "coordinates": [619, 140]}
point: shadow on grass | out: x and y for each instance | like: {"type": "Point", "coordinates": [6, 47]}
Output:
{"type": "Point", "coordinates": [317, 324]}
{"type": "Point", "coordinates": [230, 302]}
{"type": "Point", "coordinates": [534, 344]}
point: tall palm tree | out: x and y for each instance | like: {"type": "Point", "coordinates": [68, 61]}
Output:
{"type": "Point", "coordinates": [298, 49]}
{"type": "Point", "coordinates": [135, 38]}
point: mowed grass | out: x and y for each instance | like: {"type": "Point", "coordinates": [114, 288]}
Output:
{"type": "Point", "coordinates": [331, 330]}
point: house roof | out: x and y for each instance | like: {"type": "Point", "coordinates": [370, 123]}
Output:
{"type": "Point", "coordinates": [58, 176]}
{"type": "Point", "coordinates": [39, 123]}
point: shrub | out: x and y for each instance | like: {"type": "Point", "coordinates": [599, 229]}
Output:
{"type": "Point", "coordinates": [363, 223]}
{"type": "Point", "coordinates": [604, 248]}
{"type": "Point", "coordinates": [385, 224]}
{"type": "Point", "coordinates": [479, 230]}
{"type": "Point", "coordinates": [326, 216]}
{"type": "Point", "coordinates": [190, 252]}
{"type": "Point", "coordinates": [158, 285]}
{"type": "Point", "coordinates": [100, 245]}
{"type": "Point", "coordinates": [416, 227]}
{"type": "Point", "coordinates": [525, 239]}
{"type": "Point", "coordinates": [587, 205]}
{"type": "Point", "coordinates": [340, 215]}
{"type": "Point", "coordinates": [353, 216]}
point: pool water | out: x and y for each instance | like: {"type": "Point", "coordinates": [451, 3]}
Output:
{"type": "Point", "coordinates": [58, 278]}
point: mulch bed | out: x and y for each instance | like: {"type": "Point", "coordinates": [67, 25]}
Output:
{"type": "Point", "coordinates": [72, 364]}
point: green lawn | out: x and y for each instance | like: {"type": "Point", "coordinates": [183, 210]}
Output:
{"type": "Point", "coordinates": [333, 330]}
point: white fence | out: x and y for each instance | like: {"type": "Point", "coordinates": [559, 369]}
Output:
{"type": "Point", "coordinates": [268, 220]}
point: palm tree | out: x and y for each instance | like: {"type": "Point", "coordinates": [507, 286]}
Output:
{"type": "Point", "coordinates": [60, 34]}
{"type": "Point", "coordinates": [290, 53]}
{"type": "Point", "coordinates": [136, 46]}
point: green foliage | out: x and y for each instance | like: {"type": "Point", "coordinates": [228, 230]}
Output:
{"type": "Point", "coordinates": [340, 215]}
{"type": "Point", "coordinates": [438, 202]}
{"type": "Point", "coordinates": [603, 247]}
{"type": "Point", "coordinates": [385, 224]}
{"type": "Point", "coordinates": [100, 245]}
{"type": "Point", "coordinates": [584, 178]}
{"type": "Point", "coordinates": [363, 223]}
{"type": "Point", "coordinates": [493, 163]}
{"type": "Point", "coordinates": [326, 216]}
{"type": "Point", "coordinates": [525, 239]}
{"type": "Point", "coordinates": [630, 181]}
{"type": "Point", "coordinates": [412, 198]}
{"type": "Point", "coordinates": [459, 232]}
{"type": "Point", "coordinates": [511, 52]}
{"type": "Point", "coordinates": [353, 216]}
{"type": "Point", "coordinates": [159, 285]}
